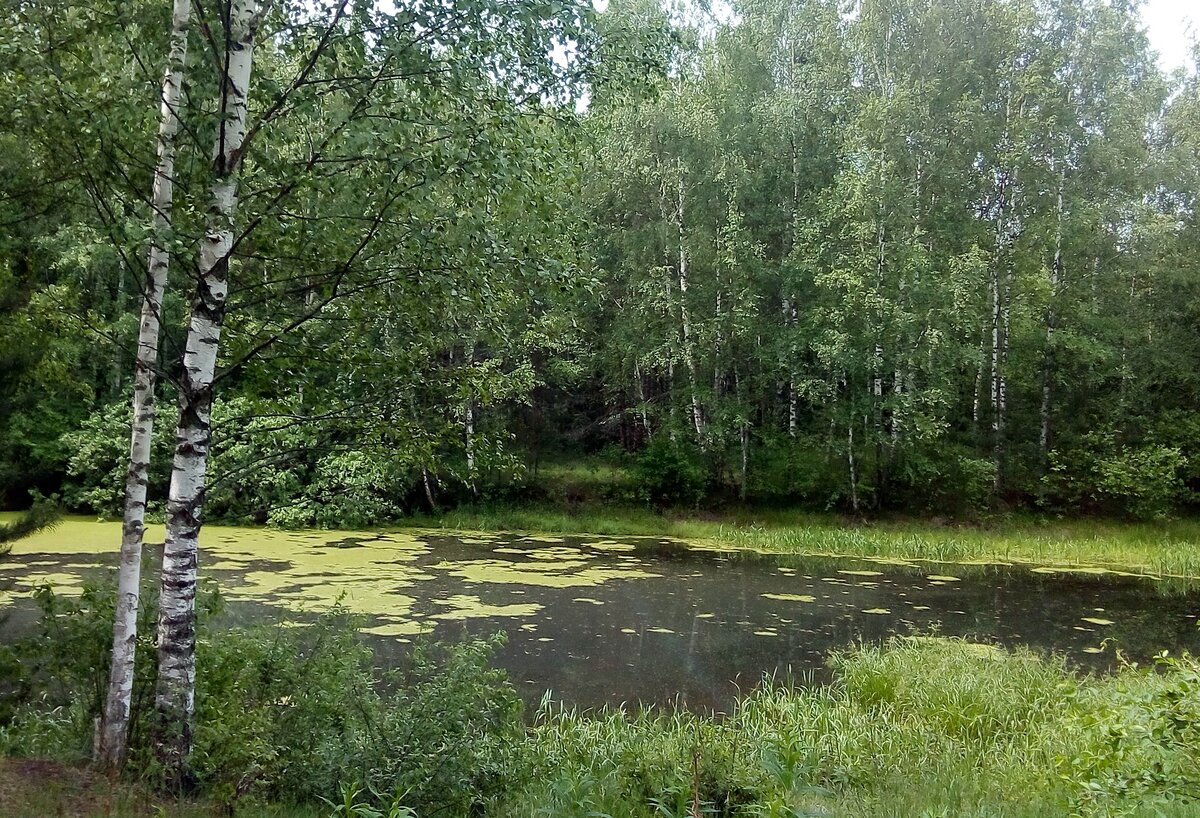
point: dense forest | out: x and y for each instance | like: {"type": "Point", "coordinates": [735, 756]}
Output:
{"type": "Point", "coordinates": [937, 256]}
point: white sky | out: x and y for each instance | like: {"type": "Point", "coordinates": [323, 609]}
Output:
{"type": "Point", "coordinates": [1171, 24]}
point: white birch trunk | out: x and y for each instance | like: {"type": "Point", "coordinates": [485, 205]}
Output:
{"type": "Point", "coordinates": [175, 696]}
{"type": "Point", "coordinates": [1000, 290]}
{"type": "Point", "coordinates": [1056, 268]}
{"type": "Point", "coordinates": [977, 404]}
{"type": "Point", "coordinates": [790, 316]}
{"type": "Point", "coordinates": [115, 728]}
{"type": "Point", "coordinates": [717, 349]}
{"type": "Point", "coordinates": [686, 324]}
{"type": "Point", "coordinates": [641, 394]}
{"type": "Point", "coordinates": [469, 439]}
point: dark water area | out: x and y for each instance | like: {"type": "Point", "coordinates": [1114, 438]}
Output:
{"type": "Point", "coordinates": [606, 622]}
{"type": "Point", "coordinates": [711, 624]}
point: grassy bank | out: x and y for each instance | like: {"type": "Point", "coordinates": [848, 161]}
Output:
{"type": "Point", "coordinates": [919, 728]}
{"type": "Point", "coordinates": [1164, 548]}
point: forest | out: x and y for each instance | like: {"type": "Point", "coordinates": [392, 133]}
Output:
{"type": "Point", "coordinates": [930, 257]}
{"type": "Point", "coordinates": [892, 302]}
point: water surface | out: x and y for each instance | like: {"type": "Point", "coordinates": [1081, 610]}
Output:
{"type": "Point", "coordinates": [609, 621]}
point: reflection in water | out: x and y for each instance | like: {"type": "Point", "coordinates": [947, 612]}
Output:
{"type": "Point", "coordinates": [601, 621]}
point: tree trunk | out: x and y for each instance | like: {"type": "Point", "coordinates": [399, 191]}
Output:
{"type": "Point", "coordinates": [469, 440]}
{"type": "Point", "coordinates": [853, 467]}
{"type": "Point", "coordinates": [1056, 269]}
{"type": "Point", "coordinates": [686, 324]}
{"type": "Point", "coordinates": [120, 681]}
{"type": "Point", "coordinates": [789, 321]}
{"type": "Point", "coordinates": [1001, 289]}
{"type": "Point", "coordinates": [175, 698]}
{"type": "Point", "coordinates": [977, 404]}
{"type": "Point", "coordinates": [744, 435]}
{"type": "Point", "coordinates": [641, 393]}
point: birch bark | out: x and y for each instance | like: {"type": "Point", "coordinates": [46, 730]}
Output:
{"type": "Point", "coordinates": [685, 321]}
{"type": "Point", "coordinates": [175, 695]}
{"type": "Point", "coordinates": [1056, 270]}
{"type": "Point", "coordinates": [115, 727]}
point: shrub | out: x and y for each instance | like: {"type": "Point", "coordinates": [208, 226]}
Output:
{"type": "Point", "coordinates": [784, 469]}
{"type": "Point", "coordinates": [670, 473]}
{"type": "Point", "coordinates": [284, 713]}
{"type": "Point", "coordinates": [98, 457]}
{"type": "Point", "coordinates": [1143, 481]}
{"type": "Point", "coordinates": [59, 674]}
{"type": "Point", "coordinates": [949, 479]}
{"type": "Point", "coordinates": [1145, 737]}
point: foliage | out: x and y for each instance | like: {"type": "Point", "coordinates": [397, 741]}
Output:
{"type": "Point", "coordinates": [98, 460]}
{"type": "Point", "coordinates": [997, 732]}
{"type": "Point", "coordinates": [1145, 482]}
{"type": "Point", "coordinates": [1147, 729]}
{"type": "Point", "coordinates": [283, 712]}
{"type": "Point", "coordinates": [62, 669]}
{"type": "Point", "coordinates": [841, 261]}
{"type": "Point", "coordinates": [669, 473]}
{"type": "Point", "coordinates": [42, 515]}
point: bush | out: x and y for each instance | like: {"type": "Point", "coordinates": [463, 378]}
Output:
{"type": "Point", "coordinates": [449, 734]}
{"type": "Point", "coordinates": [785, 470]}
{"type": "Point", "coordinates": [61, 671]}
{"type": "Point", "coordinates": [1143, 481]}
{"type": "Point", "coordinates": [283, 713]}
{"type": "Point", "coordinates": [1145, 736]}
{"type": "Point", "coordinates": [670, 473]}
{"type": "Point", "coordinates": [949, 479]}
{"type": "Point", "coordinates": [98, 458]}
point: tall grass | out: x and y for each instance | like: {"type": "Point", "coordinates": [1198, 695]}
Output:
{"type": "Point", "coordinates": [1166, 549]}
{"type": "Point", "coordinates": [920, 727]}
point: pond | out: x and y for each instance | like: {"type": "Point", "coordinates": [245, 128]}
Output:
{"type": "Point", "coordinates": [641, 621]}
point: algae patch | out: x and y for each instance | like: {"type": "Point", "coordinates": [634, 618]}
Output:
{"type": "Point", "coordinates": [790, 597]}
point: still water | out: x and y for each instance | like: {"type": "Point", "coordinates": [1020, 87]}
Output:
{"type": "Point", "coordinates": [606, 621]}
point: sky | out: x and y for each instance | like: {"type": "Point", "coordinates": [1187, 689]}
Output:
{"type": "Point", "coordinates": [1171, 25]}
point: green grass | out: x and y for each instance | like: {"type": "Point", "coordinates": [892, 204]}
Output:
{"type": "Point", "coordinates": [922, 727]}
{"type": "Point", "coordinates": [1170, 548]}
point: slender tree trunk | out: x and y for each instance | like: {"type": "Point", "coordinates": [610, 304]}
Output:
{"type": "Point", "coordinates": [1000, 420]}
{"type": "Point", "coordinates": [977, 404]}
{"type": "Point", "coordinates": [789, 321]}
{"type": "Point", "coordinates": [717, 348]}
{"type": "Point", "coordinates": [790, 310]}
{"type": "Point", "coordinates": [1001, 289]}
{"type": "Point", "coordinates": [115, 727]}
{"type": "Point", "coordinates": [428, 489]}
{"type": "Point", "coordinates": [641, 393]}
{"type": "Point", "coordinates": [686, 324]}
{"type": "Point", "coordinates": [744, 435]}
{"type": "Point", "coordinates": [175, 697]}
{"type": "Point", "coordinates": [469, 439]}
{"type": "Point", "coordinates": [853, 467]}
{"type": "Point", "coordinates": [1056, 269]}
{"type": "Point", "coordinates": [118, 358]}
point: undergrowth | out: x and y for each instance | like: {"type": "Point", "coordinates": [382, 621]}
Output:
{"type": "Point", "coordinates": [919, 727]}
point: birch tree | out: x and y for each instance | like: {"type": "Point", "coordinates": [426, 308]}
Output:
{"type": "Point", "coordinates": [120, 684]}
{"type": "Point", "coordinates": [175, 697]}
